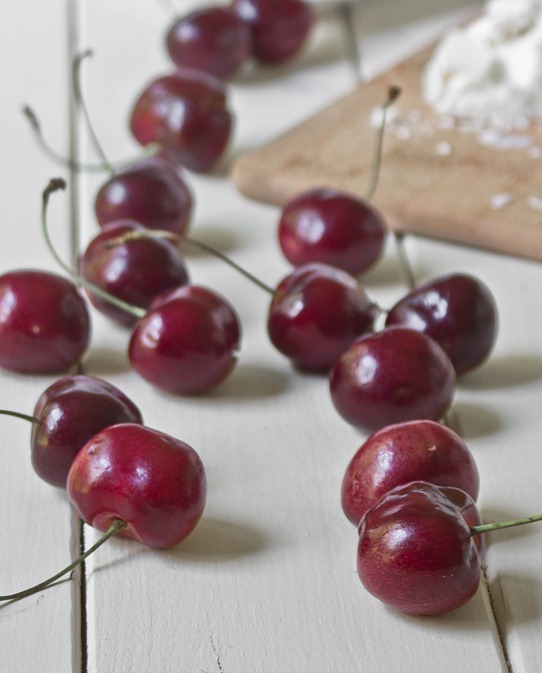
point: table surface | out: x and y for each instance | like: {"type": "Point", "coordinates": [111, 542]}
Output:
{"type": "Point", "coordinates": [267, 582]}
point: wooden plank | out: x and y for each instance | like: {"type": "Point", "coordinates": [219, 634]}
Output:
{"type": "Point", "coordinates": [435, 181]}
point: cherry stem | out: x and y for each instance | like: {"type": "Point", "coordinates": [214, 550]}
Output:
{"type": "Point", "coordinates": [79, 99]}
{"type": "Point", "coordinates": [51, 153]}
{"type": "Point", "coordinates": [115, 527]}
{"type": "Point", "coordinates": [489, 527]}
{"type": "Point", "coordinates": [54, 185]}
{"type": "Point", "coordinates": [393, 94]}
{"type": "Point", "coordinates": [18, 414]}
{"type": "Point", "coordinates": [168, 235]}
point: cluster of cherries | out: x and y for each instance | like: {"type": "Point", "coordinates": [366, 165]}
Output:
{"type": "Point", "coordinates": [411, 487]}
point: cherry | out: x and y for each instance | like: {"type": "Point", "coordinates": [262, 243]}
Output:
{"type": "Point", "coordinates": [150, 191]}
{"type": "Point", "coordinates": [395, 375]}
{"type": "Point", "coordinates": [279, 28]}
{"type": "Point", "coordinates": [404, 452]}
{"type": "Point", "coordinates": [316, 313]}
{"type": "Point", "coordinates": [186, 114]}
{"type": "Point", "coordinates": [134, 482]}
{"type": "Point", "coordinates": [135, 269]}
{"type": "Point", "coordinates": [44, 322]}
{"type": "Point", "coordinates": [187, 342]}
{"type": "Point", "coordinates": [333, 227]}
{"type": "Point", "coordinates": [458, 311]}
{"type": "Point", "coordinates": [416, 549]}
{"type": "Point", "coordinates": [67, 414]}
{"type": "Point", "coordinates": [151, 481]}
{"type": "Point", "coordinates": [213, 39]}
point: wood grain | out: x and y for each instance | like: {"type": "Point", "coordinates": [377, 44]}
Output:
{"type": "Point", "coordinates": [438, 182]}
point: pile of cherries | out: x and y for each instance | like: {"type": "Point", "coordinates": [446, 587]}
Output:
{"type": "Point", "coordinates": [411, 488]}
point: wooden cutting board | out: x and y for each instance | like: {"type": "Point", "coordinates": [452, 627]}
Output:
{"type": "Point", "coordinates": [436, 180]}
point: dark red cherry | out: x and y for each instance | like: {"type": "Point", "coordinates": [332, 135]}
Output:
{"type": "Point", "coordinates": [332, 227]}
{"type": "Point", "coordinates": [44, 322]}
{"type": "Point", "coordinates": [186, 114]}
{"type": "Point", "coordinates": [280, 28]}
{"type": "Point", "coordinates": [187, 342]}
{"type": "Point", "coordinates": [68, 413]}
{"type": "Point", "coordinates": [316, 313]}
{"type": "Point", "coordinates": [403, 452]}
{"type": "Point", "coordinates": [212, 39]}
{"type": "Point", "coordinates": [416, 551]}
{"type": "Point", "coordinates": [150, 191]}
{"type": "Point", "coordinates": [151, 481]}
{"type": "Point", "coordinates": [135, 270]}
{"type": "Point", "coordinates": [392, 376]}
{"type": "Point", "coordinates": [458, 311]}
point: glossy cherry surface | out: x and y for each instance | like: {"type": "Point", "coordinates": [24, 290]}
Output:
{"type": "Point", "coordinates": [135, 270]}
{"type": "Point", "coordinates": [419, 450]}
{"type": "Point", "coordinates": [392, 376]}
{"type": "Point", "coordinates": [416, 552]}
{"type": "Point", "coordinates": [186, 114]}
{"type": "Point", "coordinates": [69, 413]}
{"type": "Point", "coordinates": [316, 313]}
{"type": "Point", "coordinates": [280, 28]}
{"type": "Point", "coordinates": [188, 341]}
{"type": "Point", "coordinates": [44, 322]}
{"type": "Point", "coordinates": [213, 39]}
{"type": "Point", "coordinates": [332, 227]}
{"type": "Point", "coordinates": [458, 311]}
{"type": "Point", "coordinates": [150, 191]}
{"type": "Point", "coordinates": [153, 482]}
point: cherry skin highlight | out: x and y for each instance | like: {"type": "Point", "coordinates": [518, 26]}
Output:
{"type": "Point", "coordinates": [151, 481]}
{"type": "Point", "coordinates": [186, 114]}
{"type": "Point", "coordinates": [419, 450]}
{"type": "Point", "coordinates": [188, 341]}
{"type": "Point", "coordinates": [69, 413]}
{"type": "Point", "coordinates": [135, 270]}
{"type": "Point", "coordinates": [214, 40]}
{"type": "Point", "coordinates": [458, 311]}
{"type": "Point", "coordinates": [44, 322]}
{"type": "Point", "coordinates": [395, 375]}
{"type": "Point", "coordinates": [280, 28]}
{"type": "Point", "coordinates": [150, 191]}
{"type": "Point", "coordinates": [316, 313]}
{"type": "Point", "coordinates": [331, 227]}
{"type": "Point", "coordinates": [416, 552]}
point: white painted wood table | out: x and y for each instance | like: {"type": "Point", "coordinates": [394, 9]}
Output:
{"type": "Point", "coordinates": [267, 582]}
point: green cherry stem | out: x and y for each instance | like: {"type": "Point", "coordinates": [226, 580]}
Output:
{"type": "Point", "coordinates": [54, 185]}
{"type": "Point", "coordinates": [115, 527]}
{"type": "Point", "coordinates": [489, 527]}
{"type": "Point", "coordinates": [18, 414]}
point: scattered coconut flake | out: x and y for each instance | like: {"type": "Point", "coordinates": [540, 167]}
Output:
{"type": "Point", "coordinates": [535, 152]}
{"type": "Point", "coordinates": [503, 141]}
{"type": "Point", "coordinates": [443, 149]}
{"type": "Point", "coordinates": [377, 115]}
{"type": "Point", "coordinates": [501, 199]}
{"type": "Point", "coordinates": [403, 133]}
{"type": "Point", "coordinates": [535, 202]}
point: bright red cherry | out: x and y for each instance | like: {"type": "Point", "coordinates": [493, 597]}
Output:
{"type": "Point", "coordinates": [67, 414]}
{"type": "Point", "coordinates": [392, 376]}
{"type": "Point", "coordinates": [280, 28]}
{"type": "Point", "coordinates": [187, 342]}
{"type": "Point", "coordinates": [397, 454]}
{"type": "Point", "coordinates": [44, 322]}
{"type": "Point", "coordinates": [186, 114]}
{"type": "Point", "coordinates": [150, 191]}
{"type": "Point", "coordinates": [135, 270]}
{"type": "Point", "coordinates": [316, 313]}
{"type": "Point", "coordinates": [458, 311]}
{"type": "Point", "coordinates": [212, 39]}
{"type": "Point", "coordinates": [332, 227]}
{"type": "Point", "coordinates": [416, 550]}
{"type": "Point", "coordinates": [151, 481]}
